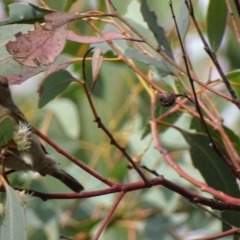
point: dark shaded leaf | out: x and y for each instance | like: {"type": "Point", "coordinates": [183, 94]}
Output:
{"type": "Point", "coordinates": [24, 13]}
{"type": "Point", "coordinates": [53, 85]}
{"type": "Point", "coordinates": [212, 168]}
{"type": "Point", "coordinates": [6, 130]}
{"type": "Point", "coordinates": [164, 68]}
{"type": "Point", "coordinates": [216, 22]}
{"type": "Point", "coordinates": [196, 124]}
{"type": "Point", "coordinates": [158, 31]}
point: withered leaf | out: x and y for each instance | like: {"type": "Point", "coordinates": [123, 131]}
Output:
{"type": "Point", "coordinates": [108, 36]}
{"type": "Point", "coordinates": [44, 43]}
{"type": "Point", "coordinates": [58, 19]}
{"type": "Point", "coordinates": [97, 61]}
{"type": "Point", "coordinates": [38, 47]}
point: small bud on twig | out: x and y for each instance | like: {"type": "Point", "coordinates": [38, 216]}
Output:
{"type": "Point", "coordinates": [168, 99]}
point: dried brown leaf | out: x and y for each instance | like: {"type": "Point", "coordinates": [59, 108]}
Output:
{"type": "Point", "coordinates": [106, 37]}
{"type": "Point", "coordinates": [97, 61]}
{"type": "Point", "coordinates": [44, 43]}
{"type": "Point", "coordinates": [57, 19]}
{"type": "Point", "coordinates": [37, 47]}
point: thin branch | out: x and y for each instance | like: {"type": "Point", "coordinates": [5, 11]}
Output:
{"type": "Point", "coordinates": [203, 186]}
{"type": "Point", "coordinates": [221, 235]}
{"type": "Point", "coordinates": [212, 55]}
{"type": "Point", "coordinates": [166, 57]}
{"type": "Point", "coordinates": [232, 204]}
{"type": "Point", "coordinates": [73, 159]}
{"type": "Point", "coordinates": [213, 144]}
{"type": "Point", "coordinates": [108, 216]}
{"type": "Point", "coordinates": [107, 132]}
{"type": "Point", "coordinates": [233, 19]}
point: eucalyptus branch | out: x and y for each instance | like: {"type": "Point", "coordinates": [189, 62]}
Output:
{"type": "Point", "coordinates": [221, 235]}
{"type": "Point", "coordinates": [212, 142]}
{"type": "Point", "coordinates": [108, 216]}
{"type": "Point", "coordinates": [203, 186]}
{"type": "Point", "coordinates": [102, 126]}
{"type": "Point", "coordinates": [212, 55]}
{"type": "Point", "coordinates": [73, 159]}
{"type": "Point", "coordinates": [231, 203]}
{"type": "Point", "coordinates": [233, 19]}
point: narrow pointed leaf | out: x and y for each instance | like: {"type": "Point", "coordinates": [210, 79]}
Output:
{"type": "Point", "coordinates": [158, 31]}
{"type": "Point", "coordinates": [183, 20]}
{"type": "Point", "coordinates": [97, 61]}
{"type": "Point", "coordinates": [216, 22]}
{"type": "Point", "coordinates": [164, 68]}
{"type": "Point", "coordinates": [212, 168]}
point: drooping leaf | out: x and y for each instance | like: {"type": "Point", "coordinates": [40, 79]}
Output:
{"type": "Point", "coordinates": [53, 85]}
{"type": "Point", "coordinates": [24, 13]}
{"type": "Point", "coordinates": [6, 130]}
{"type": "Point", "coordinates": [158, 31]}
{"type": "Point", "coordinates": [197, 125]}
{"type": "Point", "coordinates": [183, 20]}
{"type": "Point", "coordinates": [216, 22]}
{"type": "Point", "coordinates": [164, 68]}
{"type": "Point", "coordinates": [13, 223]}
{"type": "Point", "coordinates": [97, 61]}
{"type": "Point", "coordinates": [212, 168]}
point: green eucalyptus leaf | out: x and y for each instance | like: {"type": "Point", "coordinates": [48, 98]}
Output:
{"type": "Point", "coordinates": [216, 22]}
{"type": "Point", "coordinates": [24, 13]}
{"type": "Point", "coordinates": [234, 77]}
{"type": "Point", "coordinates": [183, 20]}
{"type": "Point", "coordinates": [212, 168]}
{"type": "Point", "coordinates": [13, 223]}
{"type": "Point", "coordinates": [53, 85]}
{"type": "Point", "coordinates": [6, 130]}
{"type": "Point", "coordinates": [158, 31]}
{"type": "Point", "coordinates": [164, 68]}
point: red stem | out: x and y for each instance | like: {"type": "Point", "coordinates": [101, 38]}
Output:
{"type": "Point", "coordinates": [108, 216]}
{"type": "Point", "coordinates": [73, 159]}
